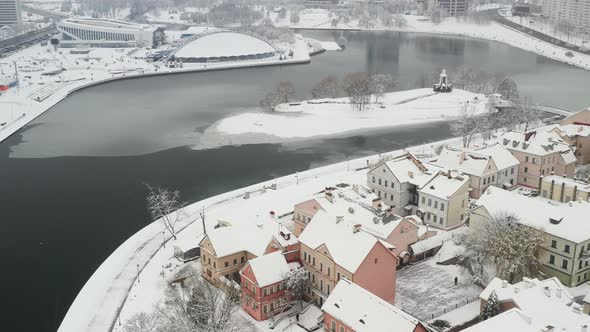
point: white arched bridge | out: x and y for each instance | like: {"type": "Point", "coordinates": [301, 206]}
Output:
{"type": "Point", "coordinates": [501, 104]}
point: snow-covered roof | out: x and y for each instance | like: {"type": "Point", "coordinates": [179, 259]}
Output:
{"type": "Point", "coordinates": [565, 220]}
{"type": "Point", "coordinates": [435, 241]}
{"type": "Point", "coordinates": [464, 161]}
{"type": "Point", "coordinates": [224, 44]}
{"type": "Point", "coordinates": [575, 130]}
{"type": "Point", "coordinates": [443, 186]}
{"type": "Point", "coordinates": [187, 244]}
{"type": "Point", "coordinates": [347, 247]}
{"type": "Point", "coordinates": [581, 186]}
{"type": "Point", "coordinates": [254, 239]}
{"type": "Point", "coordinates": [541, 142]}
{"type": "Point", "coordinates": [545, 302]}
{"type": "Point", "coordinates": [500, 155]}
{"type": "Point", "coordinates": [511, 320]}
{"type": "Point", "coordinates": [363, 311]}
{"type": "Point", "coordinates": [269, 269]}
{"type": "Point", "coordinates": [406, 168]}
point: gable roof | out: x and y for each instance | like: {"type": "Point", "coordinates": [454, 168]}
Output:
{"type": "Point", "coordinates": [269, 269]}
{"type": "Point", "coordinates": [408, 169]}
{"type": "Point", "coordinates": [468, 162]}
{"type": "Point", "coordinates": [347, 247]}
{"type": "Point", "coordinates": [501, 156]}
{"type": "Point", "coordinates": [443, 186]}
{"type": "Point", "coordinates": [565, 220]}
{"type": "Point", "coordinates": [540, 142]}
{"type": "Point", "coordinates": [511, 320]}
{"type": "Point", "coordinates": [545, 303]}
{"type": "Point", "coordinates": [364, 311]}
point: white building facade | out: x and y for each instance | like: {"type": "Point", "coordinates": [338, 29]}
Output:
{"type": "Point", "coordinates": [576, 12]}
{"type": "Point", "coordinates": [10, 12]}
{"type": "Point", "coordinates": [107, 33]}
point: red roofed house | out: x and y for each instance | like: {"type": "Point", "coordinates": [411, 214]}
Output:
{"type": "Point", "coordinates": [263, 288]}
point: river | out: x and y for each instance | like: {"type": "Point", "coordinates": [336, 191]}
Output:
{"type": "Point", "coordinates": [72, 182]}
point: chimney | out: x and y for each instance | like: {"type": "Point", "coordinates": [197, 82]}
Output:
{"type": "Point", "coordinates": [355, 188]}
{"type": "Point", "coordinates": [411, 174]}
{"type": "Point", "coordinates": [356, 228]}
{"type": "Point", "coordinates": [462, 157]}
{"type": "Point", "coordinates": [449, 174]}
{"type": "Point", "coordinates": [376, 202]}
{"type": "Point", "coordinates": [548, 328]}
{"type": "Point", "coordinates": [272, 215]}
{"type": "Point", "coordinates": [504, 283]}
{"type": "Point", "coordinates": [516, 289]}
{"type": "Point", "coordinates": [329, 196]}
{"type": "Point", "coordinates": [339, 219]}
{"type": "Point", "coordinates": [547, 291]}
{"type": "Point", "coordinates": [558, 292]}
{"type": "Point", "coordinates": [389, 212]}
{"type": "Point", "coordinates": [584, 328]}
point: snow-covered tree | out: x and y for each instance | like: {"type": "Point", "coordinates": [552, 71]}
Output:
{"type": "Point", "coordinates": [513, 247]}
{"type": "Point", "coordinates": [296, 283]}
{"type": "Point", "coordinates": [270, 101]}
{"type": "Point", "coordinates": [508, 89]}
{"type": "Point", "coordinates": [144, 322]}
{"type": "Point", "coordinates": [525, 113]}
{"type": "Point", "coordinates": [466, 125]}
{"type": "Point", "coordinates": [165, 205]}
{"type": "Point", "coordinates": [294, 17]}
{"type": "Point", "coordinates": [491, 308]}
{"type": "Point", "coordinates": [327, 88]}
{"type": "Point", "coordinates": [379, 83]}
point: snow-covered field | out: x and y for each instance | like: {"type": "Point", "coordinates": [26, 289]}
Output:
{"type": "Point", "coordinates": [325, 117]}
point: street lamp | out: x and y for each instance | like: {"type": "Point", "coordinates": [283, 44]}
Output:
{"type": "Point", "coordinates": [163, 239]}
{"type": "Point", "coordinates": [138, 281]}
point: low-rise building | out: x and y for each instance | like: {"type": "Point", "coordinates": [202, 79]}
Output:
{"type": "Point", "coordinates": [444, 200]}
{"type": "Point", "coordinates": [225, 250]}
{"type": "Point", "coordinates": [263, 285]}
{"type": "Point", "coordinates": [532, 306]}
{"type": "Point", "coordinates": [575, 129]}
{"type": "Point", "coordinates": [374, 217]}
{"type": "Point", "coordinates": [333, 247]}
{"type": "Point", "coordinates": [540, 153]}
{"type": "Point", "coordinates": [563, 189]}
{"type": "Point", "coordinates": [493, 165]}
{"type": "Point", "coordinates": [350, 308]}
{"type": "Point", "coordinates": [567, 249]}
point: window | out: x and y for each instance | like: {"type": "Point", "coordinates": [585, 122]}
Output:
{"type": "Point", "coordinates": [328, 272]}
{"type": "Point", "coordinates": [338, 276]}
{"type": "Point", "coordinates": [526, 169]}
{"type": "Point", "coordinates": [553, 244]}
{"type": "Point", "coordinates": [442, 220]}
{"type": "Point", "coordinates": [242, 259]}
{"type": "Point", "coordinates": [534, 161]}
{"type": "Point", "coordinates": [342, 329]}
{"type": "Point", "coordinates": [484, 181]}
{"type": "Point", "coordinates": [321, 285]}
{"type": "Point", "coordinates": [567, 248]}
{"type": "Point", "coordinates": [391, 184]}
{"type": "Point", "coordinates": [434, 218]}
{"type": "Point", "coordinates": [391, 197]}
{"type": "Point", "coordinates": [526, 159]}
{"type": "Point", "coordinates": [333, 326]}
{"type": "Point", "coordinates": [564, 264]}
{"type": "Point", "coordinates": [423, 200]}
{"type": "Point", "coordinates": [580, 265]}
{"type": "Point", "coordinates": [265, 291]}
{"type": "Point", "coordinates": [512, 170]}
{"type": "Point", "coordinates": [429, 202]}
{"type": "Point", "coordinates": [379, 181]}
{"type": "Point", "coordinates": [442, 206]}
{"type": "Point", "coordinates": [264, 309]}
{"type": "Point", "coordinates": [461, 217]}
{"type": "Point", "coordinates": [436, 204]}
{"type": "Point", "coordinates": [313, 261]}
{"type": "Point", "coordinates": [493, 178]}
{"type": "Point", "coordinates": [305, 256]}
{"type": "Point", "coordinates": [226, 264]}
{"type": "Point", "coordinates": [373, 179]}
{"type": "Point", "coordinates": [525, 179]}
{"type": "Point", "coordinates": [235, 261]}
{"type": "Point", "coordinates": [321, 267]}
{"type": "Point", "coordinates": [375, 260]}
{"type": "Point", "coordinates": [551, 259]}
{"type": "Point", "coordinates": [214, 265]}
{"type": "Point", "coordinates": [386, 184]}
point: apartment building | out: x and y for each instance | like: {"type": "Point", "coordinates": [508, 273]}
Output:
{"type": "Point", "coordinates": [576, 12]}
{"type": "Point", "coordinates": [263, 285]}
{"type": "Point", "coordinates": [350, 308]}
{"type": "Point", "coordinates": [10, 12]}
{"type": "Point", "coordinates": [493, 165]}
{"type": "Point", "coordinates": [540, 153]}
{"type": "Point", "coordinates": [225, 250]}
{"type": "Point", "coordinates": [331, 248]}
{"type": "Point", "coordinates": [370, 213]}
{"type": "Point", "coordinates": [532, 305]}
{"type": "Point", "coordinates": [567, 249]}
{"type": "Point", "coordinates": [564, 190]}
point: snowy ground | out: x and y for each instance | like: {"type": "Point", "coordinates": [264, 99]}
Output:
{"type": "Point", "coordinates": [427, 290]}
{"type": "Point", "coordinates": [336, 116]}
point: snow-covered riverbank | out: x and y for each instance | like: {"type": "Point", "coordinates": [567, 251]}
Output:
{"type": "Point", "coordinates": [329, 117]}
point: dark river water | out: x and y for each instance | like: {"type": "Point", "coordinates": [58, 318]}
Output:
{"type": "Point", "coordinates": [71, 182]}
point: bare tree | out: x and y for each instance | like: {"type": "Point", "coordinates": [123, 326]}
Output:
{"type": "Point", "coordinates": [270, 101]}
{"type": "Point", "coordinates": [525, 113]}
{"type": "Point", "coordinates": [285, 89]}
{"type": "Point", "coordinates": [294, 17]}
{"type": "Point", "coordinates": [144, 322]}
{"type": "Point", "coordinates": [327, 88]}
{"type": "Point", "coordinates": [356, 87]}
{"type": "Point", "coordinates": [466, 125]}
{"type": "Point", "coordinates": [296, 283]}
{"type": "Point", "coordinates": [165, 205]}
{"type": "Point", "coordinates": [379, 83]}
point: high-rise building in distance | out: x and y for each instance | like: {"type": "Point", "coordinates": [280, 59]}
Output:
{"type": "Point", "coordinates": [9, 12]}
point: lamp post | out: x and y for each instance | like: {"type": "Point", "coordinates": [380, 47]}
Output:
{"type": "Point", "coordinates": [163, 239]}
{"type": "Point", "coordinates": [138, 281]}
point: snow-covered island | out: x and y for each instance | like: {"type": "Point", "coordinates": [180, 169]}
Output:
{"type": "Point", "coordinates": [336, 116]}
